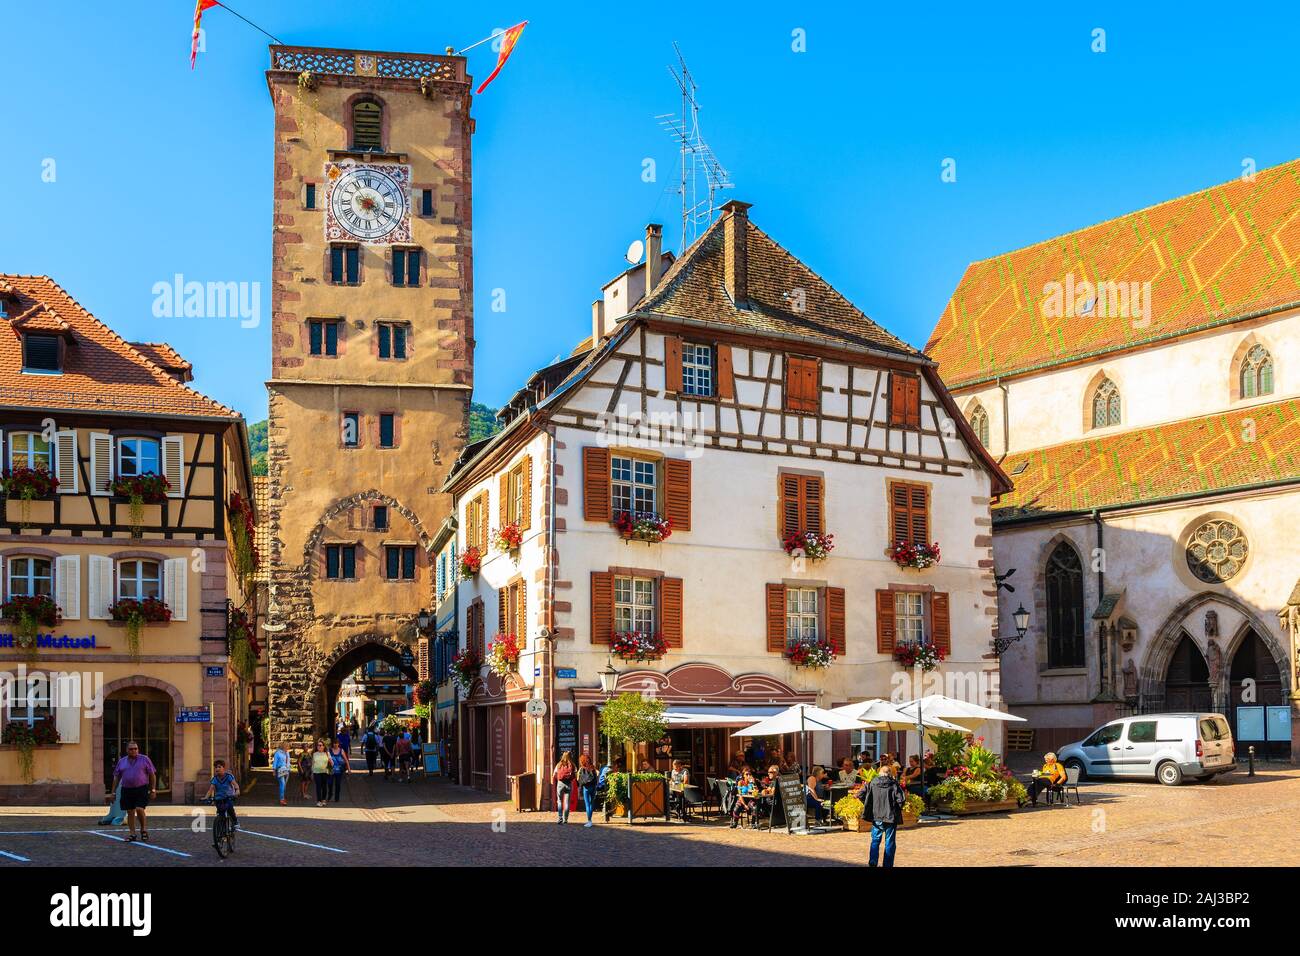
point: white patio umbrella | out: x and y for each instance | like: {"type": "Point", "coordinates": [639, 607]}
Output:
{"type": "Point", "coordinates": [967, 715]}
{"type": "Point", "coordinates": [800, 719]}
{"type": "Point", "coordinates": [878, 714]}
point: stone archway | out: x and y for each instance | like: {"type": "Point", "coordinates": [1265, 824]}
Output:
{"type": "Point", "coordinates": [182, 789]}
{"type": "Point", "coordinates": [342, 661]}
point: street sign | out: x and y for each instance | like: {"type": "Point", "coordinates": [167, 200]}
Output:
{"type": "Point", "coordinates": [566, 673]}
{"type": "Point", "coordinates": [217, 671]}
{"type": "Point", "coordinates": [536, 708]}
{"type": "Point", "coordinates": [193, 715]}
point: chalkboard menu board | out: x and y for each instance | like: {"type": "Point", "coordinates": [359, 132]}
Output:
{"type": "Point", "coordinates": [793, 803]}
{"type": "Point", "coordinates": [566, 735]}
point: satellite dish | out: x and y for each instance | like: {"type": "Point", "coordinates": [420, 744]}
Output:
{"type": "Point", "coordinates": [635, 251]}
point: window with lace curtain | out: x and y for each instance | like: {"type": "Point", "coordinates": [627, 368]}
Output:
{"type": "Point", "coordinates": [1105, 405]}
{"type": "Point", "coordinates": [1257, 373]}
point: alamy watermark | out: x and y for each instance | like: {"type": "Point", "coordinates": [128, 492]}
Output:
{"type": "Point", "coordinates": [208, 300]}
{"type": "Point", "coordinates": [1083, 299]}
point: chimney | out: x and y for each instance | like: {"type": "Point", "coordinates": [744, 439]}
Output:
{"type": "Point", "coordinates": [654, 241]}
{"type": "Point", "coordinates": [597, 322]}
{"type": "Point", "coordinates": [735, 260]}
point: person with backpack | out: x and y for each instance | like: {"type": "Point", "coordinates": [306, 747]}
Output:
{"type": "Point", "coordinates": [587, 780]}
{"type": "Point", "coordinates": [884, 802]}
{"type": "Point", "coordinates": [370, 747]}
{"type": "Point", "coordinates": [562, 776]}
{"type": "Point", "coordinates": [280, 764]}
{"type": "Point", "coordinates": [404, 757]}
{"type": "Point", "coordinates": [339, 766]}
{"type": "Point", "coordinates": [389, 753]}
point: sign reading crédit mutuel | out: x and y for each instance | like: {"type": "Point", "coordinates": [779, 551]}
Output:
{"type": "Point", "coordinates": [63, 642]}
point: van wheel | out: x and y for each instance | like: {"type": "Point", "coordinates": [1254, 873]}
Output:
{"type": "Point", "coordinates": [1169, 774]}
{"type": "Point", "coordinates": [1074, 763]}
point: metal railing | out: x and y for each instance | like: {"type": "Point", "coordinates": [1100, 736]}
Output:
{"type": "Point", "coordinates": [297, 59]}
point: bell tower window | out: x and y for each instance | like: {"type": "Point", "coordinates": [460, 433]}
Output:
{"type": "Point", "coordinates": [368, 126]}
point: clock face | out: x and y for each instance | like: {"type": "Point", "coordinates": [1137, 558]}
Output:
{"type": "Point", "coordinates": [368, 202]}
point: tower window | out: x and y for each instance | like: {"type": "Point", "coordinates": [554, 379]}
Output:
{"type": "Point", "coordinates": [379, 518]}
{"type": "Point", "coordinates": [406, 267]}
{"type": "Point", "coordinates": [309, 196]}
{"type": "Point", "coordinates": [41, 353]}
{"type": "Point", "coordinates": [341, 561]}
{"type": "Point", "coordinates": [350, 430]}
{"type": "Point", "coordinates": [399, 561]}
{"type": "Point", "coordinates": [367, 126]}
{"type": "Point", "coordinates": [426, 202]}
{"type": "Point", "coordinates": [392, 341]}
{"type": "Point", "coordinates": [323, 337]}
{"type": "Point", "coordinates": [345, 264]}
{"type": "Point", "coordinates": [387, 426]}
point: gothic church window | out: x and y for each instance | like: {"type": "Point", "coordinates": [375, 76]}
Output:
{"type": "Point", "coordinates": [1105, 405]}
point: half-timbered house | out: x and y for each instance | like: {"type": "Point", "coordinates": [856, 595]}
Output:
{"type": "Point", "coordinates": [666, 490]}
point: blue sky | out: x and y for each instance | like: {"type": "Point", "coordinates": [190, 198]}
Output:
{"type": "Point", "coordinates": [159, 171]}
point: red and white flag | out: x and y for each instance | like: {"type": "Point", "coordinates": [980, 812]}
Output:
{"type": "Point", "coordinates": [508, 41]}
{"type": "Point", "coordinates": [199, 7]}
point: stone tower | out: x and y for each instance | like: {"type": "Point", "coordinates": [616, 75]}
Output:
{"type": "Point", "coordinates": [371, 358]}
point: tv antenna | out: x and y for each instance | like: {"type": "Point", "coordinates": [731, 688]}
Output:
{"type": "Point", "coordinates": [702, 176]}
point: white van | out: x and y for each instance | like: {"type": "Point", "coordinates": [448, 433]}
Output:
{"type": "Point", "coordinates": [1166, 747]}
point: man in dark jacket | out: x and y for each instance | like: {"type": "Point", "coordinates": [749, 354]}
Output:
{"type": "Point", "coordinates": [884, 804]}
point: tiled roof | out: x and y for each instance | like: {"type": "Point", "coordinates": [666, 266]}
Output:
{"type": "Point", "coordinates": [262, 530]}
{"type": "Point", "coordinates": [1211, 257]}
{"type": "Point", "coordinates": [694, 289]}
{"type": "Point", "coordinates": [164, 356]}
{"type": "Point", "coordinates": [101, 370]}
{"type": "Point", "coordinates": [1229, 450]}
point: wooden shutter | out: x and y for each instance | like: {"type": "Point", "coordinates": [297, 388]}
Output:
{"type": "Point", "coordinates": [66, 697]}
{"type": "Point", "coordinates": [790, 506]}
{"type": "Point", "coordinates": [672, 363]}
{"type": "Point", "coordinates": [100, 586]}
{"type": "Point", "coordinates": [67, 585]}
{"type": "Point", "coordinates": [482, 542]}
{"type": "Point", "coordinates": [526, 519]}
{"type": "Point", "coordinates": [172, 452]}
{"type": "Point", "coordinates": [909, 507]}
{"type": "Point", "coordinates": [101, 462]}
{"type": "Point", "coordinates": [602, 607]}
{"type": "Point", "coordinates": [521, 610]}
{"type": "Point", "coordinates": [776, 618]}
{"type": "Point", "coordinates": [940, 624]}
{"type": "Point", "coordinates": [422, 658]}
{"type": "Point", "coordinates": [885, 622]}
{"type": "Point", "coordinates": [904, 399]}
{"type": "Point", "coordinates": [726, 375]}
{"type": "Point", "coordinates": [813, 504]}
{"type": "Point", "coordinates": [65, 462]}
{"type": "Point", "coordinates": [802, 505]}
{"type": "Point", "coordinates": [835, 619]}
{"type": "Point", "coordinates": [670, 611]}
{"type": "Point", "coordinates": [913, 401]}
{"type": "Point", "coordinates": [801, 386]}
{"type": "Point", "coordinates": [176, 587]}
{"type": "Point", "coordinates": [503, 610]}
{"type": "Point", "coordinates": [677, 492]}
{"type": "Point", "coordinates": [595, 484]}
{"type": "Point", "coordinates": [503, 499]}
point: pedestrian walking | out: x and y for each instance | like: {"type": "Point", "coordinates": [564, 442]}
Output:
{"type": "Point", "coordinates": [389, 753]}
{"type": "Point", "coordinates": [563, 776]}
{"type": "Point", "coordinates": [321, 768]}
{"type": "Point", "coordinates": [370, 748]}
{"type": "Point", "coordinates": [404, 757]}
{"type": "Point", "coordinates": [345, 740]}
{"type": "Point", "coordinates": [280, 764]}
{"type": "Point", "coordinates": [304, 770]}
{"type": "Point", "coordinates": [355, 727]}
{"type": "Point", "coordinates": [339, 765]}
{"type": "Point", "coordinates": [884, 801]}
{"type": "Point", "coordinates": [587, 780]}
{"type": "Point", "coordinates": [139, 780]}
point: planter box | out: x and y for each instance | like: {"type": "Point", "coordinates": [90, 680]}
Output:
{"type": "Point", "coordinates": [648, 799]}
{"type": "Point", "coordinates": [982, 806]}
{"type": "Point", "coordinates": [861, 825]}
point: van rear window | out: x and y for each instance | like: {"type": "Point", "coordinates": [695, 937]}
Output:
{"type": "Point", "coordinates": [1214, 728]}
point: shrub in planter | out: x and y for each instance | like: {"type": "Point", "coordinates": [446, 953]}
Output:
{"type": "Point", "coordinates": [635, 646]}
{"type": "Point", "coordinates": [508, 537]}
{"type": "Point", "coordinates": [27, 738]}
{"type": "Point", "coordinates": [241, 639]}
{"type": "Point", "coordinates": [620, 786]}
{"type": "Point", "coordinates": [243, 537]}
{"type": "Point", "coordinates": [425, 693]}
{"type": "Point", "coordinates": [464, 669]}
{"type": "Point", "coordinates": [470, 563]}
{"type": "Point", "coordinates": [977, 777]}
{"type": "Point", "coordinates": [29, 615]}
{"type": "Point", "coordinates": [849, 809]}
{"type": "Point", "coordinates": [503, 654]}
{"type": "Point", "coordinates": [136, 614]}
{"type": "Point", "coordinates": [811, 654]}
{"type": "Point", "coordinates": [141, 490]}
{"type": "Point", "coordinates": [26, 485]}
{"type": "Point", "coordinates": [809, 545]}
{"type": "Point", "coordinates": [920, 556]}
{"type": "Point", "coordinates": [910, 654]}
{"type": "Point", "coordinates": [642, 526]}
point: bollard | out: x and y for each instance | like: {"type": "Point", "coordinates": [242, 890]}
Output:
{"type": "Point", "coordinates": [1250, 755]}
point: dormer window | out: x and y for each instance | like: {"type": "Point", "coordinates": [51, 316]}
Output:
{"type": "Point", "coordinates": [41, 353]}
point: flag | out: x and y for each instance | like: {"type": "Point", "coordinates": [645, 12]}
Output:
{"type": "Point", "coordinates": [508, 41]}
{"type": "Point", "coordinates": [199, 7]}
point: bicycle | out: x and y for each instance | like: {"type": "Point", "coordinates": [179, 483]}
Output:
{"type": "Point", "coordinates": [223, 828]}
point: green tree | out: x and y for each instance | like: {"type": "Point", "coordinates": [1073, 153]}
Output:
{"type": "Point", "coordinates": [633, 719]}
{"type": "Point", "coordinates": [482, 422]}
{"type": "Point", "coordinates": [257, 446]}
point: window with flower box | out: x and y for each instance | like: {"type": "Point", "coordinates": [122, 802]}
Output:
{"type": "Point", "coordinates": [29, 450]}
{"type": "Point", "coordinates": [909, 512]}
{"type": "Point", "coordinates": [512, 609]}
{"type": "Point", "coordinates": [30, 701]}
{"type": "Point", "coordinates": [516, 498]}
{"type": "Point", "coordinates": [625, 600]}
{"type": "Point", "coordinates": [476, 523]}
{"type": "Point", "coordinates": [29, 577]}
{"type": "Point", "coordinates": [137, 456]}
{"type": "Point", "coordinates": [634, 604]}
{"type": "Point", "coordinates": [905, 615]}
{"type": "Point", "coordinates": [909, 616]}
{"type": "Point", "coordinates": [802, 504]}
{"type": "Point", "coordinates": [633, 484]}
{"type": "Point", "coordinates": [801, 617]}
{"type": "Point", "coordinates": [138, 579]}
{"type": "Point", "coordinates": [796, 612]}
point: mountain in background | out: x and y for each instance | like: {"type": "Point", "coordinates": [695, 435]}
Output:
{"type": "Point", "coordinates": [482, 424]}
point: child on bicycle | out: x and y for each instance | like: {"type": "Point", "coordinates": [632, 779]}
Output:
{"type": "Point", "coordinates": [222, 790]}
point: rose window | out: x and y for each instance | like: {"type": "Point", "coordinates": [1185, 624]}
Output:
{"type": "Point", "coordinates": [1216, 551]}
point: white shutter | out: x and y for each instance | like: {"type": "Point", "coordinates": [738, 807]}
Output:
{"type": "Point", "coordinates": [173, 464]}
{"type": "Point", "coordinates": [67, 585]}
{"type": "Point", "coordinates": [99, 574]}
{"type": "Point", "coordinates": [101, 462]}
{"type": "Point", "coordinates": [176, 586]}
{"type": "Point", "coordinates": [67, 700]}
{"type": "Point", "coordinates": [65, 461]}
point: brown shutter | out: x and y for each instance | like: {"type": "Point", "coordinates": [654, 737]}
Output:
{"type": "Point", "coordinates": [670, 609]}
{"type": "Point", "coordinates": [483, 523]}
{"type": "Point", "coordinates": [790, 508]}
{"type": "Point", "coordinates": [480, 630]}
{"type": "Point", "coordinates": [885, 622]}
{"type": "Point", "coordinates": [422, 658]}
{"type": "Point", "coordinates": [521, 622]}
{"type": "Point", "coordinates": [940, 627]}
{"type": "Point", "coordinates": [897, 399]}
{"type": "Point", "coordinates": [920, 507]}
{"type": "Point", "coordinates": [503, 502]}
{"type": "Point", "coordinates": [726, 376]}
{"type": "Point", "coordinates": [914, 401]}
{"type": "Point", "coordinates": [813, 504]}
{"type": "Point", "coordinates": [801, 393]}
{"type": "Point", "coordinates": [595, 483]}
{"type": "Point", "coordinates": [776, 617]}
{"type": "Point", "coordinates": [503, 611]}
{"type": "Point", "coordinates": [835, 619]}
{"type": "Point", "coordinates": [672, 363]}
{"type": "Point", "coordinates": [526, 519]}
{"type": "Point", "coordinates": [677, 492]}
{"type": "Point", "coordinates": [602, 607]}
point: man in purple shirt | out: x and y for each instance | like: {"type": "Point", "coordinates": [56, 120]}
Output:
{"type": "Point", "coordinates": [139, 782]}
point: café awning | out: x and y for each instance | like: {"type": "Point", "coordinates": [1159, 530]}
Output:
{"type": "Point", "coordinates": [682, 716]}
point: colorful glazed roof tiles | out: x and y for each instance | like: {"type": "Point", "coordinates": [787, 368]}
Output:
{"type": "Point", "coordinates": [1230, 450]}
{"type": "Point", "coordinates": [1210, 258]}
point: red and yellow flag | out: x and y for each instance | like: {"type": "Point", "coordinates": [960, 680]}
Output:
{"type": "Point", "coordinates": [508, 41]}
{"type": "Point", "coordinates": [199, 7]}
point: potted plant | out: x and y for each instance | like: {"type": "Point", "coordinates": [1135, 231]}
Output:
{"type": "Point", "coordinates": [425, 693]}
{"type": "Point", "coordinates": [241, 638]}
{"type": "Point", "coordinates": [849, 809]}
{"type": "Point", "coordinates": [977, 783]}
{"type": "Point", "coordinates": [243, 540]}
{"type": "Point", "coordinates": [635, 720]}
{"type": "Point", "coordinates": [29, 614]}
{"type": "Point", "coordinates": [27, 737]}
{"type": "Point", "coordinates": [470, 563]}
{"type": "Point", "coordinates": [508, 537]}
{"type": "Point", "coordinates": [464, 669]}
{"type": "Point", "coordinates": [908, 555]}
{"type": "Point", "coordinates": [27, 485]}
{"type": "Point", "coordinates": [642, 526]}
{"type": "Point", "coordinates": [135, 615]}
{"type": "Point", "coordinates": [140, 490]}
{"type": "Point", "coordinates": [913, 807]}
{"type": "Point", "coordinates": [810, 653]}
{"type": "Point", "coordinates": [503, 654]}
{"type": "Point", "coordinates": [809, 545]}
{"type": "Point", "coordinates": [636, 646]}
{"type": "Point", "coordinates": [911, 653]}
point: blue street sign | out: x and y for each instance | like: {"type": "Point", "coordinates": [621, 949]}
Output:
{"type": "Point", "coordinates": [566, 672]}
{"type": "Point", "coordinates": [193, 715]}
{"type": "Point", "coordinates": [217, 671]}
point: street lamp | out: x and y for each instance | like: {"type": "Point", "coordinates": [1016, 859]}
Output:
{"type": "Point", "coordinates": [423, 619]}
{"type": "Point", "coordinates": [608, 683]}
{"type": "Point", "coordinates": [1021, 618]}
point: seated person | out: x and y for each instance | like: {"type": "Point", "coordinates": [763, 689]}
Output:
{"type": "Point", "coordinates": [932, 774]}
{"type": "Point", "coordinates": [1052, 775]}
{"type": "Point", "coordinates": [813, 800]}
{"type": "Point", "coordinates": [746, 798]}
{"type": "Point", "coordinates": [848, 773]}
{"type": "Point", "coordinates": [678, 781]}
{"type": "Point", "coordinates": [911, 778]}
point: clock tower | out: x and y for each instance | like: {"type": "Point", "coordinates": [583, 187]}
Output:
{"type": "Point", "coordinates": [371, 360]}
